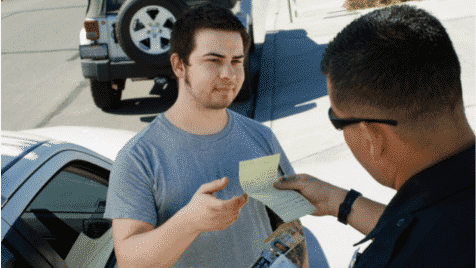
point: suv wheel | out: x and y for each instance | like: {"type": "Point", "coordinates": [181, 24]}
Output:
{"type": "Point", "coordinates": [104, 95]}
{"type": "Point", "coordinates": [144, 28]}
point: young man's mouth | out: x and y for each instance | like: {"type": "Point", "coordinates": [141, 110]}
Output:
{"type": "Point", "coordinates": [224, 89]}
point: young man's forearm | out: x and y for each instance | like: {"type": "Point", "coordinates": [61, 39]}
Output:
{"type": "Point", "coordinates": [364, 214]}
{"type": "Point", "coordinates": [161, 247]}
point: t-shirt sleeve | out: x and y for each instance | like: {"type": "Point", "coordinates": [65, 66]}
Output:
{"type": "Point", "coordinates": [130, 193]}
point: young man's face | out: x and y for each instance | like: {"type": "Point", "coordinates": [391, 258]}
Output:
{"type": "Point", "coordinates": [216, 68]}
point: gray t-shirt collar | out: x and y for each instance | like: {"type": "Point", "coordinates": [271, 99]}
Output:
{"type": "Point", "coordinates": [204, 138]}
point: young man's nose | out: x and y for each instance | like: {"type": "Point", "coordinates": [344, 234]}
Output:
{"type": "Point", "coordinates": [227, 71]}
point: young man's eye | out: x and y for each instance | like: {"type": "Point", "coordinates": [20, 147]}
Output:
{"type": "Point", "coordinates": [214, 60]}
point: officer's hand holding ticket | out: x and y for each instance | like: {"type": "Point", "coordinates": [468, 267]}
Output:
{"type": "Point", "coordinates": [257, 177]}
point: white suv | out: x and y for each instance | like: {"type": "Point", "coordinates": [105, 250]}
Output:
{"type": "Point", "coordinates": [130, 39]}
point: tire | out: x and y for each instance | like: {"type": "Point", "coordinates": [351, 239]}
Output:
{"type": "Point", "coordinates": [104, 96]}
{"type": "Point", "coordinates": [144, 27]}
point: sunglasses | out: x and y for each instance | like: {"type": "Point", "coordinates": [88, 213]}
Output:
{"type": "Point", "coordinates": [339, 124]}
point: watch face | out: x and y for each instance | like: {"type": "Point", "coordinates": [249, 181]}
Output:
{"type": "Point", "coordinates": [345, 207]}
{"type": "Point", "coordinates": [343, 212]}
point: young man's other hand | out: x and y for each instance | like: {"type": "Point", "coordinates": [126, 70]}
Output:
{"type": "Point", "coordinates": [208, 213]}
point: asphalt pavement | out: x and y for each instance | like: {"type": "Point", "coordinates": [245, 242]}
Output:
{"type": "Point", "coordinates": [42, 82]}
{"type": "Point", "coordinates": [292, 100]}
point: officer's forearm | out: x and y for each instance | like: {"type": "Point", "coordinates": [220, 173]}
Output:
{"type": "Point", "coordinates": [364, 214]}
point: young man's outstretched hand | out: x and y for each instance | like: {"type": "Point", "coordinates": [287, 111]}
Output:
{"type": "Point", "coordinates": [165, 244]}
{"type": "Point", "coordinates": [208, 213]}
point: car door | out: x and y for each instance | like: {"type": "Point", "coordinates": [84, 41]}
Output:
{"type": "Point", "coordinates": [17, 252]}
{"type": "Point", "coordinates": [58, 212]}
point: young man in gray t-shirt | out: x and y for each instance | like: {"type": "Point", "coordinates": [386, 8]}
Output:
{"type": "Point", "coordinates": [174, 194]}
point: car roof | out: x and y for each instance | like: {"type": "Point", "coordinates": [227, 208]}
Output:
{"type": "Point", "coordinates": [28, 150]}
{"type": "Point", "coordinates": [15, 146]}
{"type": "Point", "coordinates": [22, 155]}
{"type": "Point", "coordinates": [104, 141]}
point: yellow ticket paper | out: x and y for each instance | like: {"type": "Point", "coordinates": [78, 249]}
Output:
{"type": "Point", "coordinates": [257, 177]}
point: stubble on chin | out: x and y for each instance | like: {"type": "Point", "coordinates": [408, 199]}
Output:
{"type": "Point", "coordinates": [207, 101]}
{"type": "Point", "coordinates": [217, 104]}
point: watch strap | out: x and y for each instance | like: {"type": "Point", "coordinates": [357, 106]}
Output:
{"type": "Point", "coordinates": [346, 206]}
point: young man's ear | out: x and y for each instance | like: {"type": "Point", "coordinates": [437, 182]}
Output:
{"type": "Point", "coordinates": [177, 66]}
{"type": "Point", "coordinates": [375, 139]}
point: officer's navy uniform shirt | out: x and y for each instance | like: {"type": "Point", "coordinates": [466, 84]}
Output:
{"type": "Point", "coordinates": [430, 222]}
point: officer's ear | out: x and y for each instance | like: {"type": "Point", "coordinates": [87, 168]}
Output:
{"type": "Point", "coordinates": [177, 66]}
{"type": "Point", "coordinates": [374, 138]}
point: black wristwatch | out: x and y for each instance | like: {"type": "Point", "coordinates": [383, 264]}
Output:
{"type": "Point", "coordinates": [345, 207]}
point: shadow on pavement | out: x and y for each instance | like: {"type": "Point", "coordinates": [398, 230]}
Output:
{"type": "Point", "coordinates": [243, 108]}
{"type": "Point", "coordinates": [138, 106]}
{"type": "Point", "coordinates": [160, 100]}
{"type": "Point", "coordinates": [290, 75]}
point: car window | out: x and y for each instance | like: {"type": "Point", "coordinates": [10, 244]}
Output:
{"type": "Point", "coordinates": [71, 203]}
{"type": "Point", "coordinates": [70, 192]}
{"type": "Point", "coordinates": [12, 258]}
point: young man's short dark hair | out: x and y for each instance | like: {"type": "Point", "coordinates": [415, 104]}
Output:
{"type": "Point", "coordinates": [397, 59]}
{"type": "Point", "coordinates": [205, 16]}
